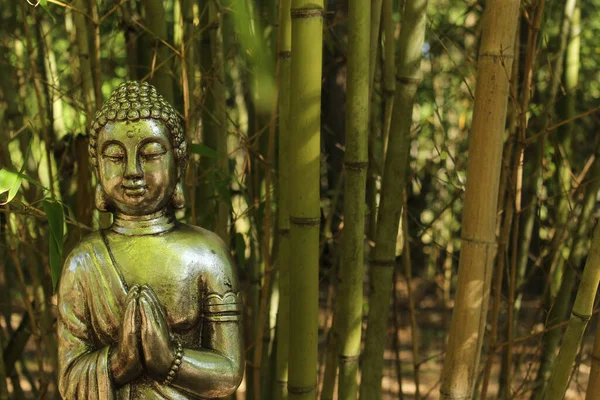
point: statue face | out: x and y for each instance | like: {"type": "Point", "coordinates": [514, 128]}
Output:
{"type": "Point", "coordinates": [137, 166]}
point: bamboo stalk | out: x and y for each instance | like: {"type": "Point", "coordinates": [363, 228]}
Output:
{"type": "Point", "coordinates": [388, 70]}
{"type": "Point", "coordinates": [580, 316]}
{"type": "Point", "coordinates": [478, 239]}
{"type": "Point", "coordinates": [263, 336]}
{"type": "Point", "coordinates": [283, 217]}
{"type": "Point", "coordinates": [414, 328]}
{"type": "Point", "coordinates": [408, 65]}
{"type": "Point", "coordinates": [304, 173]}
{"type": "Point", "coordinates": [374, 62]}
{"type": "Point", "coordinates": [349, 298]}
{"type": "Point", "coordinates": [157, 25]}
{"type": "Point", "coordinates": [95, 53]}
{"type": "Point", "coordinates": [220, 98]}
{"type": "Point", "coordinates": [506, 199]}
{"type": "Point", "coordinates": [593, 389]}
{"type": "Point", "coordinates": [205, 204]}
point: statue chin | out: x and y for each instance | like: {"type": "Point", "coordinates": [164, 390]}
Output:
{"type": "Point", "coordinates": [149, 308]}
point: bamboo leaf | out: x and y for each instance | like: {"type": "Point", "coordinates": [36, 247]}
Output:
{"type": "Point", "coordinates": [55, 214]}
{"type": "Point", "coordinates": [9, 182]}
{"type": "Point", "coordinates": [204, 151]}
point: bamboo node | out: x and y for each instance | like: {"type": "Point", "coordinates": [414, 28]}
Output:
{"type": "Point", "coordinates": [356, 165]}
{"type": "Point", "coordinates": [301, 389]}
{"type": "Point", "coordinates": [347, 359]}
{"type": "Point", "coordinates": [582, 317]}
{"type": "Point", "coordinates": [305, 221]}
{"type": "Point", "coordinates": [479, 241]}
{"type": "Point", "coordinates": [285, 54]}
{"type": "Point", "coordinates": [500, 55]}
{"type": "Point", "coordinates": [307, 12]}
{"type": "Point", "coordinates": [407, 80]}
{"type": "Point", "coordinates": [383, 263]}
{"type": "Point", "coordinates": [448, 396]}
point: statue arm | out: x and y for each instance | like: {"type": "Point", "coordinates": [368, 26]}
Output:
{"type": "Point", "coordinates": [217, 369]}
{"type": "Point", "coordinates": [83, 367]}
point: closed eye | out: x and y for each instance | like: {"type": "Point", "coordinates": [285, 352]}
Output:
{"type": "Point", "coordinates": [152, 151]}
{"type": "Point", "coordinates": [113, 152]}
{"type": "Point", "coordinates": [152, 156]}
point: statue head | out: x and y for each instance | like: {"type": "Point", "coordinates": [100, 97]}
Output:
{"type": "Point", "coordinates": [139, 152]}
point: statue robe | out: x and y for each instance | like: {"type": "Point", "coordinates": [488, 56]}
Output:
{"type": "Point", "coordinates": [91, 299]}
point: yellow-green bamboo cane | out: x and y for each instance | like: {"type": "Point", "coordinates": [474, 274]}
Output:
{"type": "Point", "coordinates": [478, 237]}
{"type": "Point", "coordinates": [304, 173]}
{"type": "Point", "coordinates": [350, 288]}
{"type": "Point", "coordinates": [593, 389]}
{"type": "Point", "coordinates": [580, 316]}
{"type": "Point", "coordinates": [410, 47]}
{"type": "Point", "coordinates": [283, 215]}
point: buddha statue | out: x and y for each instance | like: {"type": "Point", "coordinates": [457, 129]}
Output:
{"type": "Point", "coordinates": [149, 308]}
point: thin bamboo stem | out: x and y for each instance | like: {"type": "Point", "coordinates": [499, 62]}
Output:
{"type": "Point", "coordinates": [411, 302]}
{"type": "Point", "coordinates": [580, 316]}
{"type": "Point", "coordinates": [283, 216]}
{"type": "Point", "coordinates": [478, 249]}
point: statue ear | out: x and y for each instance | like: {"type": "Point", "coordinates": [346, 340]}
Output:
{"type": "Point", "coordinates": [101, 200]}
{"type": "Point", "coordinates": [178, 199]}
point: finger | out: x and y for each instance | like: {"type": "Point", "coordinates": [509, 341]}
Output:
{"type": "Point", "coordinates": [132, 294]}
{"type": "Point", "coordinates": [148, 316]}
{"type": "Point", "coordinates": [155, 306]}
{"type": "Point", "coordinates": [156, 325]}
{"type": "Point", "coordinates": [129, 331]}
{"type": "Point", "coordinates": [158, 305]}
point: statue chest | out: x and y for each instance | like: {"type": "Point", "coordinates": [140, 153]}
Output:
{"type": "Point", "coordinates": [173, 277]}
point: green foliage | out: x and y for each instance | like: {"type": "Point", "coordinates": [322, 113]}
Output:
{"type": "Point", "coordinates": [9, 182]}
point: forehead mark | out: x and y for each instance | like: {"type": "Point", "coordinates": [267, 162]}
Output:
{"type": "Point", "coordinates": [130, 133]}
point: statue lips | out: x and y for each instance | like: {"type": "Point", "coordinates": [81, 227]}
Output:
{"type": "Point", "coordinates": [134, 190]}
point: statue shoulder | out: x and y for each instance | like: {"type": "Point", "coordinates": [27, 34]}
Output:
{"type": "Point", "coordinates": [220, 273]}
{"type": "Point", "coordinates": [82, 251]}
{"type": "Point", "coordinates": [78, 262]}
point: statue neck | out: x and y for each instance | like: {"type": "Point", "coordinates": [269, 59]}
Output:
{"type": "Point", "coordinates": [152, 224]}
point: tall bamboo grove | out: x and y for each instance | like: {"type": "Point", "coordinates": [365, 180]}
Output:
{"type": "Point", "coordinates": [304, 173]}
{"type": "Point", "coordinates": [410, 47]}
{"type": "Point", "coordinates": [478, 237]}
{"type": "Point", "coordinates": [350, 295]}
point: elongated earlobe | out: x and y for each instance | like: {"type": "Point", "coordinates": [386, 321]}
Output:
{"type": "Point", "coordinates": [101, 199]}
{"type": "Point", "coordinates": [178, 199]}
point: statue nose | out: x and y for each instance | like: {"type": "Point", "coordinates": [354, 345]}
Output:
{"type": "Point", "coordinates": [133, 169]}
